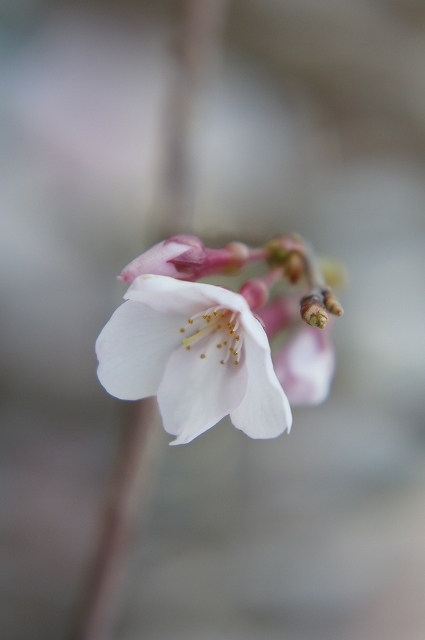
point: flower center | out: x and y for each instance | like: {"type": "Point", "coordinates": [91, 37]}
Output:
{"type": "Point", "coordinates": [220, 329]}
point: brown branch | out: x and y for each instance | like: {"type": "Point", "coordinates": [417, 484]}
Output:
{"type": "Point", "coordinates": [195, 58]}
{"type": "Point", "coordinates": [120, 512]}
{"type": "Point", "coordinates": [200, 34]}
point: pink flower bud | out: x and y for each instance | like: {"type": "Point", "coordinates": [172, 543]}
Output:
{"type": "Point", "coordinates": [305, 366]}
{"type": "Point", "coordinates": [255, 293]}
{"type": "Point", "coordinates": [279, 314]}
{"type": "Point", "coordinates": [186, 258]}
{"type": "Point", "coordinates": [177, 257]}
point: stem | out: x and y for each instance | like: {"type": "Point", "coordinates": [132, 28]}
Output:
{"type": "Point", "coordinates": [315, 279]}
{"type": "Point", "coordinates": [203, 19]}
{"type": "Point", "coordinates": [256, 254]}
{"type": "Point", "coordinates": [272, 277]}
{"type": "Point", "coordinates": [320, 293]}
{"type": "Point", "coordinates": [196, 55]}
{"type": "Point", "coordinates": [121, 510]}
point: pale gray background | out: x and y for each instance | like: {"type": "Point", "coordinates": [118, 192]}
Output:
{"type": "Point", "coordinates": [315, 123]}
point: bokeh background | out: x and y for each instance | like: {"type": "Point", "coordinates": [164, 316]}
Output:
{"type": "Point", "coordinates": [307, 116]}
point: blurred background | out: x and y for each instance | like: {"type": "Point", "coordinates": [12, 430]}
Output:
{"type": "Point", "coordinates": [281, 116]}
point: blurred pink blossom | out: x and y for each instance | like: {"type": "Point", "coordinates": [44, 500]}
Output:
{"type": "Point", "coordinates": [305, 366]}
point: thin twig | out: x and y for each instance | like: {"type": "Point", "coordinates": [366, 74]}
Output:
{"type": "Point", "coordinates": [201, 30]}
{"type": "Point", "coordinates": [120, 512]}
{"type": "Point", "coordinates": [195, 58]}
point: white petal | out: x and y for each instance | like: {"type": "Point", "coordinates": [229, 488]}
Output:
{"type": "Point", "coordinates": [176, 296]}
{"type": "Point", "coordinates": [254, 328]}
{"type": "Point", "coordinates": [264, 411]}
{"type": "Point", "coordinates": [195, 393]}
{"type": "Point", "coordinates": [133, 349]}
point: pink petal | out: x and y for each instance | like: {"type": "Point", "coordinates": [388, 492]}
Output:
{"type": "Point", "coordinates": [305, 366]}
{"type": "Point", "coordinates": [264, 411]}
{"type": "Point", "coordinates": [133, 349]}
{"type": "Point", "coordinates": [155, 260]}
{"type": "Point", "coordinates": [195, 393]}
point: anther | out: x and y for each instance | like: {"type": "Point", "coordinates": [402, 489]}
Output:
{"type": "Point", "coordinates": [182, 330]}
{"type": "Point", "coordinates": [188, 348]}
{"type": "Point", "coordinates": [202, 355]}
{"type": "Point", "coordinates": [190, 321]}
{"type": "Point", "coordinates": [219, 346]}
{"type": "Point", "coordinates": [222, 362]}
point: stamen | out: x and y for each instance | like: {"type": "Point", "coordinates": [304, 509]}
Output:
{"type": "Point", "coordinates": [226, 357]}
{"type": "Point", "coordinates": [200, 334]}
{"type": "Point", "coordinates": [210, 321]}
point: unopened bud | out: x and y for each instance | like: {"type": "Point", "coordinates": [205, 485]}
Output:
{"type": "Point", "coordinates": [313, 312]}
{"type": "Point", "coordinates": [279, 249]}
{"type": "Point", "coordinates": [279, 314]}
{"type": "Point", "coordinates": [166, 259]}
{"type": "Point", "coordinates": [332, 304]}
{"type": "Point", "coordinates": [239, 250]}
{"type": "Point", "coordinates": [294, 267]}
{"type": "Point", "coordinates": [255, 293]}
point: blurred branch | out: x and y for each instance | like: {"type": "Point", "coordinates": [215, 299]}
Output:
{"type": "Point", "coordinates": [120, 513]}
{"type": "Point", "coordinates": [195, 55]}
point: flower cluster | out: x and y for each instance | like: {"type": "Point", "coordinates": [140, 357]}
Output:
{"type": "Point", "coordinates": [204, 351]}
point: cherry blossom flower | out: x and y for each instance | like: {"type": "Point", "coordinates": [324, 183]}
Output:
{"type": "Point", "coordinates": [305, 366]}
{"type": "Point", "coordinates": [199, 348]}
